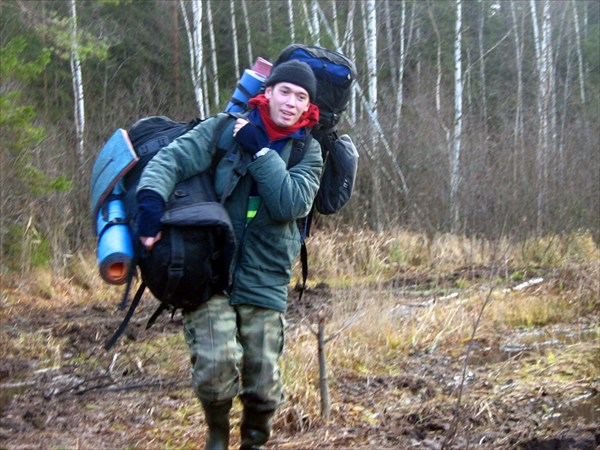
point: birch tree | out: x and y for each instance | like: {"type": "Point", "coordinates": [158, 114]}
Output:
{"type": "Point", "coordinates": [400, 79]}
{"type": "Point", "coordinates": [389, 32]}
{"type": "Point", "coordinates": [78, 104]}
{"type": "Point", "coordinates": [371, 50]}
{"type": "Point", "coordinates": [308, 21]}
{"type": "Point", "coordinates": [175, 36]}
{"type": "Point", "coordinates": [518, 127]}
{"type": "Point", "coordinates": [480, 35]}
{"type": "Point", "coordinates": [349, 41]}
{"type": "Point", "coordinates": [194, 35]}
{"type": "Point", "coordinates": [438, 84]}
{"type": "Point", "coordinates": [213, 56]}
{"type": "Point", "coordinates": [269, 18]}
{"type": "Point", "coordinates": [543, 51]}
{"type": "Point", "coordinates": [236, 52]}
{"type": "Point", "coordinates": [336, 31]}
{"type": "Point", "coordinates": [457, 135]}
{"type": "Point", "coordinates": [248, 34]}
{"type": "Point", "coordinates": [579, 53]}
{"type": "Point", "coordinates": [315, 22]}
{"type": "Point", "coordinates": [291, 19]}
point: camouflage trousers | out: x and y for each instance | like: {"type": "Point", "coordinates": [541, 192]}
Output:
{"type": "Point", "coordinates": [235, 350]}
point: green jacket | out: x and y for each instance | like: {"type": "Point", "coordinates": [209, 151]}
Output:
{"type": "Point", "coordinates": [269, 244]}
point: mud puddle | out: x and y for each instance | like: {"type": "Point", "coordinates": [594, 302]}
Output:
{"type": "Point", "coordinates": [585, 408]}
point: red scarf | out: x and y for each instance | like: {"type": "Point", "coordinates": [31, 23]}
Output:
{"type": "Point", "coordinates": [309, 119]}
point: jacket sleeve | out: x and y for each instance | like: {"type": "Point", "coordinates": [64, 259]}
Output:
{"type": "Point", "coordinates": [184, 157]}
{"type": "Point", "coordinates": [288, 194]}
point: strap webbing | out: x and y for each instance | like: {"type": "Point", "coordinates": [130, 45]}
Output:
{"type": "Point", "coordinates": [157, 313]}
{"type": "Point", "coordinates": [176, 265]}
{"type": "Point", "coordinates": [304, 262]}
{"type": "Point", "coordinates": [134, 303]}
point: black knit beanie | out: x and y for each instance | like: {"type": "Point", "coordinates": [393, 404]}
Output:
{"type": "Point", "coordinates": [295, 72]}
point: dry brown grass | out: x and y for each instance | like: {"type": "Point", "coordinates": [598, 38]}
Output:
{"type": "Point", "coordinates": [341, 257]}
{"type": "Point", "coordinates": [394, 323]}
{"type": "Point", "coordinates": [412, 304]}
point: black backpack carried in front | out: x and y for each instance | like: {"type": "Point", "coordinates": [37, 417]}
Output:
{"type": "Point", "coordinates": [190, 263]}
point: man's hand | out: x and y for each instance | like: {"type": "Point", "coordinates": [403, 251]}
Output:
{"type": "Point", "coordinates": [251, 138]}
{"type": "Point", "coordinates": [150, 210]}
{"type": "Point", "coordinates": [148, 242]}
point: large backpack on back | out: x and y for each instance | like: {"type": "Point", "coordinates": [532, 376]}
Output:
{"type": "Point", "coordinates": [335, 74]}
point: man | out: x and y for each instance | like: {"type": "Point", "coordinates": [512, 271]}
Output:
{"type": "Point", "coordinates": [239, 333]}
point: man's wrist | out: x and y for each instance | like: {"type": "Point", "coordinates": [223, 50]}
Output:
{"type": "Point", "coordinates": [263, 151]}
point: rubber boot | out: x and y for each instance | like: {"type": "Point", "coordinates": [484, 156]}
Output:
{"type": "Point", "coordinates": [255, 428]}
{"type": "Point", "coordinates": [217, 419]}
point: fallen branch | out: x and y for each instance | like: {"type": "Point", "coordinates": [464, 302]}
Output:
{"type": "Point", "coordinates": [111, 386]}
{"type": "Point", "coordinates": [526, 284]}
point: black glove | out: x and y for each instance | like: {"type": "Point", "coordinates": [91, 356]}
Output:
{"type": "Point", "coordinates": [251, 138]}
{"type": "Point", "coordinates": [150, 210]}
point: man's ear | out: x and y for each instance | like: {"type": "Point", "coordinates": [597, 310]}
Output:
{"type": "Point", "coordinates": [268, 92]}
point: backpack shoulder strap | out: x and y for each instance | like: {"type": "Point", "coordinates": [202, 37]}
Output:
{"type": "Point", "coordinates": [224, 119]}
{"type": "Point", "coordinates": [299, 147]}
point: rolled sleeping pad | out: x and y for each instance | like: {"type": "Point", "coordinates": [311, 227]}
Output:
{"type": "Point", "coordinates": [115, 243]}
{"type": "Point", "coordinates": [249, 85]}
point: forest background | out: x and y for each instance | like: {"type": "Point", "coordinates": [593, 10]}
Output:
{"type": "Point", "coordinates": [473, 117]}
{"type": "Point", "coordinates": [458, 292]}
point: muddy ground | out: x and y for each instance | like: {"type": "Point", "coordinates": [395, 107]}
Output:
{"type": "Point", "coordinates": [73, 394]}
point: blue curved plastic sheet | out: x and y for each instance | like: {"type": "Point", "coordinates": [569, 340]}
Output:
{"type": "Point", "coordinates": [115, 159]}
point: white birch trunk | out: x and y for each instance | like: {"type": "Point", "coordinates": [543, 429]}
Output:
{"type": "Point", "coordinates": [438, 83]}
{"type": "Point", "coordinates": [78, 104]}
{"type": "Point", "coordinates": [371, 43]}
{"type": "Point", "coordinates": [336, 31]}
{"type": "Point", "coordinates": [395, 177]}
{"type": "Point", "coordinates": [291, 19]}
{"type": "Point", "coordinates": [236, 51]}
{"type": "Point", "coordinates": [400, 81]}
{"type": "Point", "coordinates": [389, 31]}
{"type": "Point", "coordinates": [198, 53]}
{"type": "Point", "coordinates": [308, 21]}
{"type": "Point", "coordinates": [564, 114]}
{"type": "Point", "coordinates": [544, 105]}
{"type": "Point", "coordinates": [352, 55]}
{"type": "Point", "coordinates": [457, 135]}
{"type": "Point", "coordinates": [248, 34]}
{"type": "Point", "coordinates": [315, 22]}
{"type": "Point", "coordinates": [213, 56]}
{"type": "Point", "coordinates": [269, 18]}
{"type": "Point", "coordinates": [518, 132]}
{"type": "Point", "coordinates": [195, 47]}
{"type": "Point", "coordinates": [482, 70]}
{"type": "Point", "coordinates": [467, 75]}
{"type": "Point", "coordinates": [579, 53]}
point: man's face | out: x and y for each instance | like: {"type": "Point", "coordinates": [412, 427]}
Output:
{"type": "Point", "coordinates": [287, 102]}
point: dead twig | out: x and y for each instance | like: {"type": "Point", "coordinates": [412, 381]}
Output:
{"type": "Point", "coordinates": [456, 415]}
